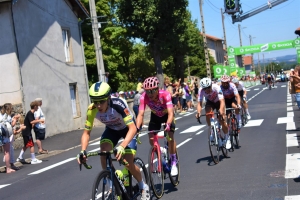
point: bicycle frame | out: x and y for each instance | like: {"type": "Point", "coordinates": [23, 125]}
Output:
{"type": "Point", "coordinates": [157, 146]}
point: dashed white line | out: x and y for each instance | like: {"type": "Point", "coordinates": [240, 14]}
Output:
{"type": "Point", "coordinates": [52, 166]}
{"type": "Point", "coordinates": [2, 186]}
{"type": "Point", "coordinates": [182, 143]}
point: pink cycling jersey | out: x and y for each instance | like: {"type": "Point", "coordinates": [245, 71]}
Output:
{"type": "Point", "coordinates": [159, 107]}
{"type": "Point", "coordinates": [214, 96]}
{"type": "Point", "coordinates": [230, 92]}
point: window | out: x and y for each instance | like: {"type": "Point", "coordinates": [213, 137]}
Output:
{"type": "Point", "coordinates": [67, 45]}
{"type": "Point", "coordinates": [74, 100]}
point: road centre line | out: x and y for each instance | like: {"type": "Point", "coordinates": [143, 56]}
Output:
{"type": "Point", "coordinates": [51, 166]}
{"type": "Point", "coordinates": [2, 186]}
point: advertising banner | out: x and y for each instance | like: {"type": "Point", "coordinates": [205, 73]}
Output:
{"type": "Point", "coordinates": [220, 70]}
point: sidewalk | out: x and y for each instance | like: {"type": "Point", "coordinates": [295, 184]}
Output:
{"type": "Point", "coordinates": [62, 142]}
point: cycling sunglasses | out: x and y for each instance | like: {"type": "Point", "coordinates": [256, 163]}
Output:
{"type": "Point", "coordinates": [150, 92]}
{"type": "Point", "coordinates": [97, 102]}
{"type": "Point", "coordinates": [208, 88]}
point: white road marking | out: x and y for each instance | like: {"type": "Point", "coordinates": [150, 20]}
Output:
{"type": "Point", "coordinates": [187, 114]}
{"type": "Point", "coordinates": [254, 123]}
{"type": "Point", "coordinates": [199, 133]}
{"type": "Point", "coordinates": [283, 86]}
{"type": "Point", "coordinates": [293, 197]}
{"type": "Point", "coordinates": [2, 186]}
{"type": "Point", "coordinates": [52, 166]}
{"type": "Point", "coordinates": [292, 140]}
{"type": "Point", "coordinates": [95, 143]}
{"type": "Point", "coordinates": [289, 104]}
{"type": "Point", "coordinates": [256, 89]}
{"type": "Point", "coordinates": [178, 118]}
{"type": "Point", "coordinates": [289, 108]}
{"type": "Point", "coordinates": [283, 120]}
{"type": "Point", "coordinates": [182, 143]}
{"type": "Point", "coordinates": [292, 165]}
{"type": "Point", "coordinates": [192, 129]}
{"type": "Point", "coordinates": [290, 114]}
{"type": "Point", "coordinates": [290, 126]}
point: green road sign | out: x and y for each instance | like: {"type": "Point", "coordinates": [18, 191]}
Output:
{"type": "Point", "coordinates": [297, 46]}
{"type": "Point", "coordinates": [220, 70]}
{"type": "Point", "coordinates": [241, 72]}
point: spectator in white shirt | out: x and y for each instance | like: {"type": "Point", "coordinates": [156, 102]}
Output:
{"type": "Point", "coordinates": [40, 128]}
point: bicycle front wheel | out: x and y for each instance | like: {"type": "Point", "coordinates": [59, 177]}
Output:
{"type": "Point", "coordinates": [102, 188]}
{"type": "Point", "coordinates": [135, 186]}
{"type": "Point", "coordinates": [236, 135]}
{"type": "Point", "coordinates": [213, 146]}
{"type": "Point", "coordinates": [156, 172]}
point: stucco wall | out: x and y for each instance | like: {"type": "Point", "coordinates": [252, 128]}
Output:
{"type": "Point", "coordinates": [10, 88]}
{"type": "Point", "coordinates": [44, 70]}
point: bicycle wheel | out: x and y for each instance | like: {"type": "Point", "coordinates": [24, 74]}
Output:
{"type": "Point", "coordinates": [135, 186]}
{"type": "Point", "coordinates": [102, 188]}
{"type": "Point", "coordinates": [156, 172]}
{"type": "Point", "coordinates": [213, 146]}
{"type": "Point", "coordinates": [174, 179]}
{"type": "Point", "coordinates": [235, 140]}
{"type": "Point", "coordinates": [243, 116]}
{"type": "Point", "coordinates": [230, 127]}
{"type": "Point", "coordinates": [224, 150]}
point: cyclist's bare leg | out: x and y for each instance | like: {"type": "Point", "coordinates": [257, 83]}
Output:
{"type": "Point", "coordinates": [134, 170]}
{"type": "Point", "coordinates": [104, 147]}
{"type": "Point", "coordinates": [172, 143]}
{"type": "Point", "coordinates": [208, 110]}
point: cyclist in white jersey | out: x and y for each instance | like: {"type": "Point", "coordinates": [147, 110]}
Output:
{"type": "Point", "coordinates": [243, 94]}
{"type": "Point", "coordinates": [214, 100]}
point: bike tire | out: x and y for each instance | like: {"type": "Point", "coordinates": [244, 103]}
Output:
{"type": "Point", "coordinates": [174, 179]}
{"type": "Point", "coordinates": [231, 133]}
{"type": "Point", "coordinates": [236, 136]}
{"type": "Point", "coordinates": [135, 186]}
{"type": "Point", "coordinates": [225, 151]}
{"type": "Point", "coordinates": [104, 175]}
{"type": "Point", "coordinates": [157, 188]}
{"type": "Point", "coordinates": [213, 147]}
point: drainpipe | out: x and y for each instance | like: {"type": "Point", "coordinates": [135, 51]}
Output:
{"type": "Point", "coordinates": [18, 57]}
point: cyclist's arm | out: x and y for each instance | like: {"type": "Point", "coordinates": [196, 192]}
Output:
{"type": "Point", "coordinates": [85, 139]}
{"type": "Point", "coordinates": [142, 106]}
{"type": "Point", "coordinates": [222, 107]}
{"type": "Point", "coordinates": [238, 99]}
{"type": "Point", "coordinates": [170, 110]}
{"type": "Point", "coordinates": [130, 134]}
{"type": "Point", "coordinates": [90, 116]}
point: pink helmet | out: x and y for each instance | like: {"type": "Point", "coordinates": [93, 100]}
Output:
{"type": "Point", "coordinates": [151, 83]}
{"type": "Point", "coordinates": [225, 78]}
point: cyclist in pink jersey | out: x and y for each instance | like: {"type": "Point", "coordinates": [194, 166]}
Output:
{"type": "Point", "coordinates": [160, 103]}
{"type": "Point", "coordinates": [214, 100]}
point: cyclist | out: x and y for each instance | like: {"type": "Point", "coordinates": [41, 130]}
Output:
{"type": "Point", "coordinates": [273, 78]}
{"type": "Point", "coordinates": [160, 104]}
{"type": "Point", "coordinates": [214, 100]}
{"type": "Point", "coordinates": [232, 97]}
{"type": "Point", "coordinates": [119, 122]}
{"type": "Point", "coordinates": [243, 94]}
{"type": "Point", "coordinates": [269, 79]}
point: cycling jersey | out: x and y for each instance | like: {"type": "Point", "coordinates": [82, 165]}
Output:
{"type": "Point", "coordinates": [159, 108]}
{"type": "Point", "coordinates": [117, 116]}
{"type": "Point", "coordinates": [240, 86]}
{"type": "Point", "coordinates": [230, 92]}
{"type": "Point", "coordinates": [215, 95]}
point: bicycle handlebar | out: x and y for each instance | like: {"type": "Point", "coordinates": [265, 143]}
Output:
{"type": "Point", "coordinates": [103, 153]}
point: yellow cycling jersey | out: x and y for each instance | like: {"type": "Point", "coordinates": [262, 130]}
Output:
{"type": "Point", "coordinates": [117, 116]}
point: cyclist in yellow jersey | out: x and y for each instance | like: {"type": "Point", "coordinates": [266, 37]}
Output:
{"type": "Point", "coordinates": [120, 123]}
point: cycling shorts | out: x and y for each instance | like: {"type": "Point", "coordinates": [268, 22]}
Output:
{"type": "Point", "coordinates": [228, 103]}
{"type": "Point", "coordinates": [214, 106]}
{"type": "Point", "coordinates": [155, 122]}
{"type": "Point", "coordinates": [113, 136]}
{"type": "Point", "coordinates": [241, 93]}
{"type": "Point", "coordinates": [269, 79]}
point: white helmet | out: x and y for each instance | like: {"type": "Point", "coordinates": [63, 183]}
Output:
{"type": "Point", "coordinates": [235, 80]}
{"type": "Point", "coordinates": [205, 82]}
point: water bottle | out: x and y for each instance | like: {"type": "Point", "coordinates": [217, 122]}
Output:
{"type": "Point", "coordinates": [164, 160]}
{"type": "Point", "coordinates": [125, 176]}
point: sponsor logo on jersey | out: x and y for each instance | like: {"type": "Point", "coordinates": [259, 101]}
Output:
{"type": "Point", "coordinates": [119, 103]}
{"type": "Point", "coordinates": [126, 111]}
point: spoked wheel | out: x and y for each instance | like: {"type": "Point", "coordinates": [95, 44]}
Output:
{"type": "Point", "coordinates": [102, 187]}
{"type": "Point", "coordinates": [243, 116]}
{"type": "Point", "coordinates": [230, 127]}
{"type": "Point", "coordinates": [236, 135]}
{"type": "Point", "coordinates": [156, 173]}
{"type": "Point", "coordinates": [174, 179]}
{"type": "Point", "coordinates": [224, 150]}
{"type": "Point", "coordinates": [213, 147]}
{"type": "Point", "coordinates": [135, 186]}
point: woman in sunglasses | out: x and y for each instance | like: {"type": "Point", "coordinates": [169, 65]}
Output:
{"type": "Point", "coordinates": [232, 97]}
{"type": "Point", "coordinates": [119, 122]}
{"type": "Point", "coordinates": [214, 101]}
{"type": "Point", "coordinates": [160, 103]}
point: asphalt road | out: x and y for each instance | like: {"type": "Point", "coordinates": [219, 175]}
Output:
{"type": "Point", "coordinates": [264, 167]}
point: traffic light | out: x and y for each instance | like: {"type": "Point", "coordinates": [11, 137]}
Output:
{"type": "Point", "coordinates": [232, 6]}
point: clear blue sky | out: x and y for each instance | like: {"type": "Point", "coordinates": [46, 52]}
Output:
{"type": "Point", "coordinates": [272, 25]}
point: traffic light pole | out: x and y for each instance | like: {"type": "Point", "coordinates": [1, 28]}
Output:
{"type": "Point", "coordinates": [205, 42]}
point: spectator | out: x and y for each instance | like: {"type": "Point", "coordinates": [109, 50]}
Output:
{"type": "Point", "coordinates": [40, 128]}
{"type": "Point", "coordinates": [29, 122]}
{"type": "Point", "coordinates": [168, 86]}
{"type": "Point", "coordinates": [295, 82]}
{"type": "Point", "coordinates": [196, 88]}
{"type": "Point", "coordinates": [122, 96]}
{"type": "Point", "coordinates": [175, 96]}
{"type": "Point", "coordinates": [5, 126]}
{"type": "Point", "coordinates": [139, 85]}
{"type": "Point", "coordinates": [136, 102]}
{"type": "Point", "coordinates": [188, 96]}
{"type": "Point", "coordinates": [191, 89]}
{"type": "Point", "coordinates": [183, 97]}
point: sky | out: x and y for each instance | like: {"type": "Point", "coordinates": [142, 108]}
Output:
{"type": "Point", "coordinates": [272, 25]}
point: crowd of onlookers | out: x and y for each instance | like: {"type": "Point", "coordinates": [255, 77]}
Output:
{"type": "Point", "coordinates": [294, 84]}
{"type": "Point", "coordinates": [12, 123]}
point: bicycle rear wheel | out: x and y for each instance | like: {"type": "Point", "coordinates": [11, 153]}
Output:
{"type": "Point", "coordinates": [174, 179]}
{"type": "Point", "coordinates": [135, 186]}
{"type": "Point", "coordinates": [156, 172]}
{"type": "Point", "coordinates": [213, 146]}
{"type": "Point", "coordinates": [101, 187]}
{"type": "Point", "coordinates": [236, 135]}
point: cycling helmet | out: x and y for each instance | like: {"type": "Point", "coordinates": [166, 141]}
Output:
{"type": "Point", "coordinates": [235, 80]}
{"type": "Point", "coordinates": [99, 91]}
{"type": "Point", "coordinates": [151, 83]}
{"type": "Point", "coordinates": [225, 78]}
{"type": "Point", "coordinates": [205, 82]}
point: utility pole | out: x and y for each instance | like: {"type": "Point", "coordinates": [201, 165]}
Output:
{"type": "Point", "coordinates": [188, 64]}
{"type": "Point", "coordinates": [258, 64]}
{"type": "Point", "coordinates": [224, 33]}
{"type": "Point", "coordinates": [98, 48]}
{"type": "Point", "coordinates": [205, 42]}
{"type": "Point", "coordinates": [250, 37]}
{"type": "Point", "coordinates": [241, 43]}
{"type": "Point", "coordinates": [264, 63]}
